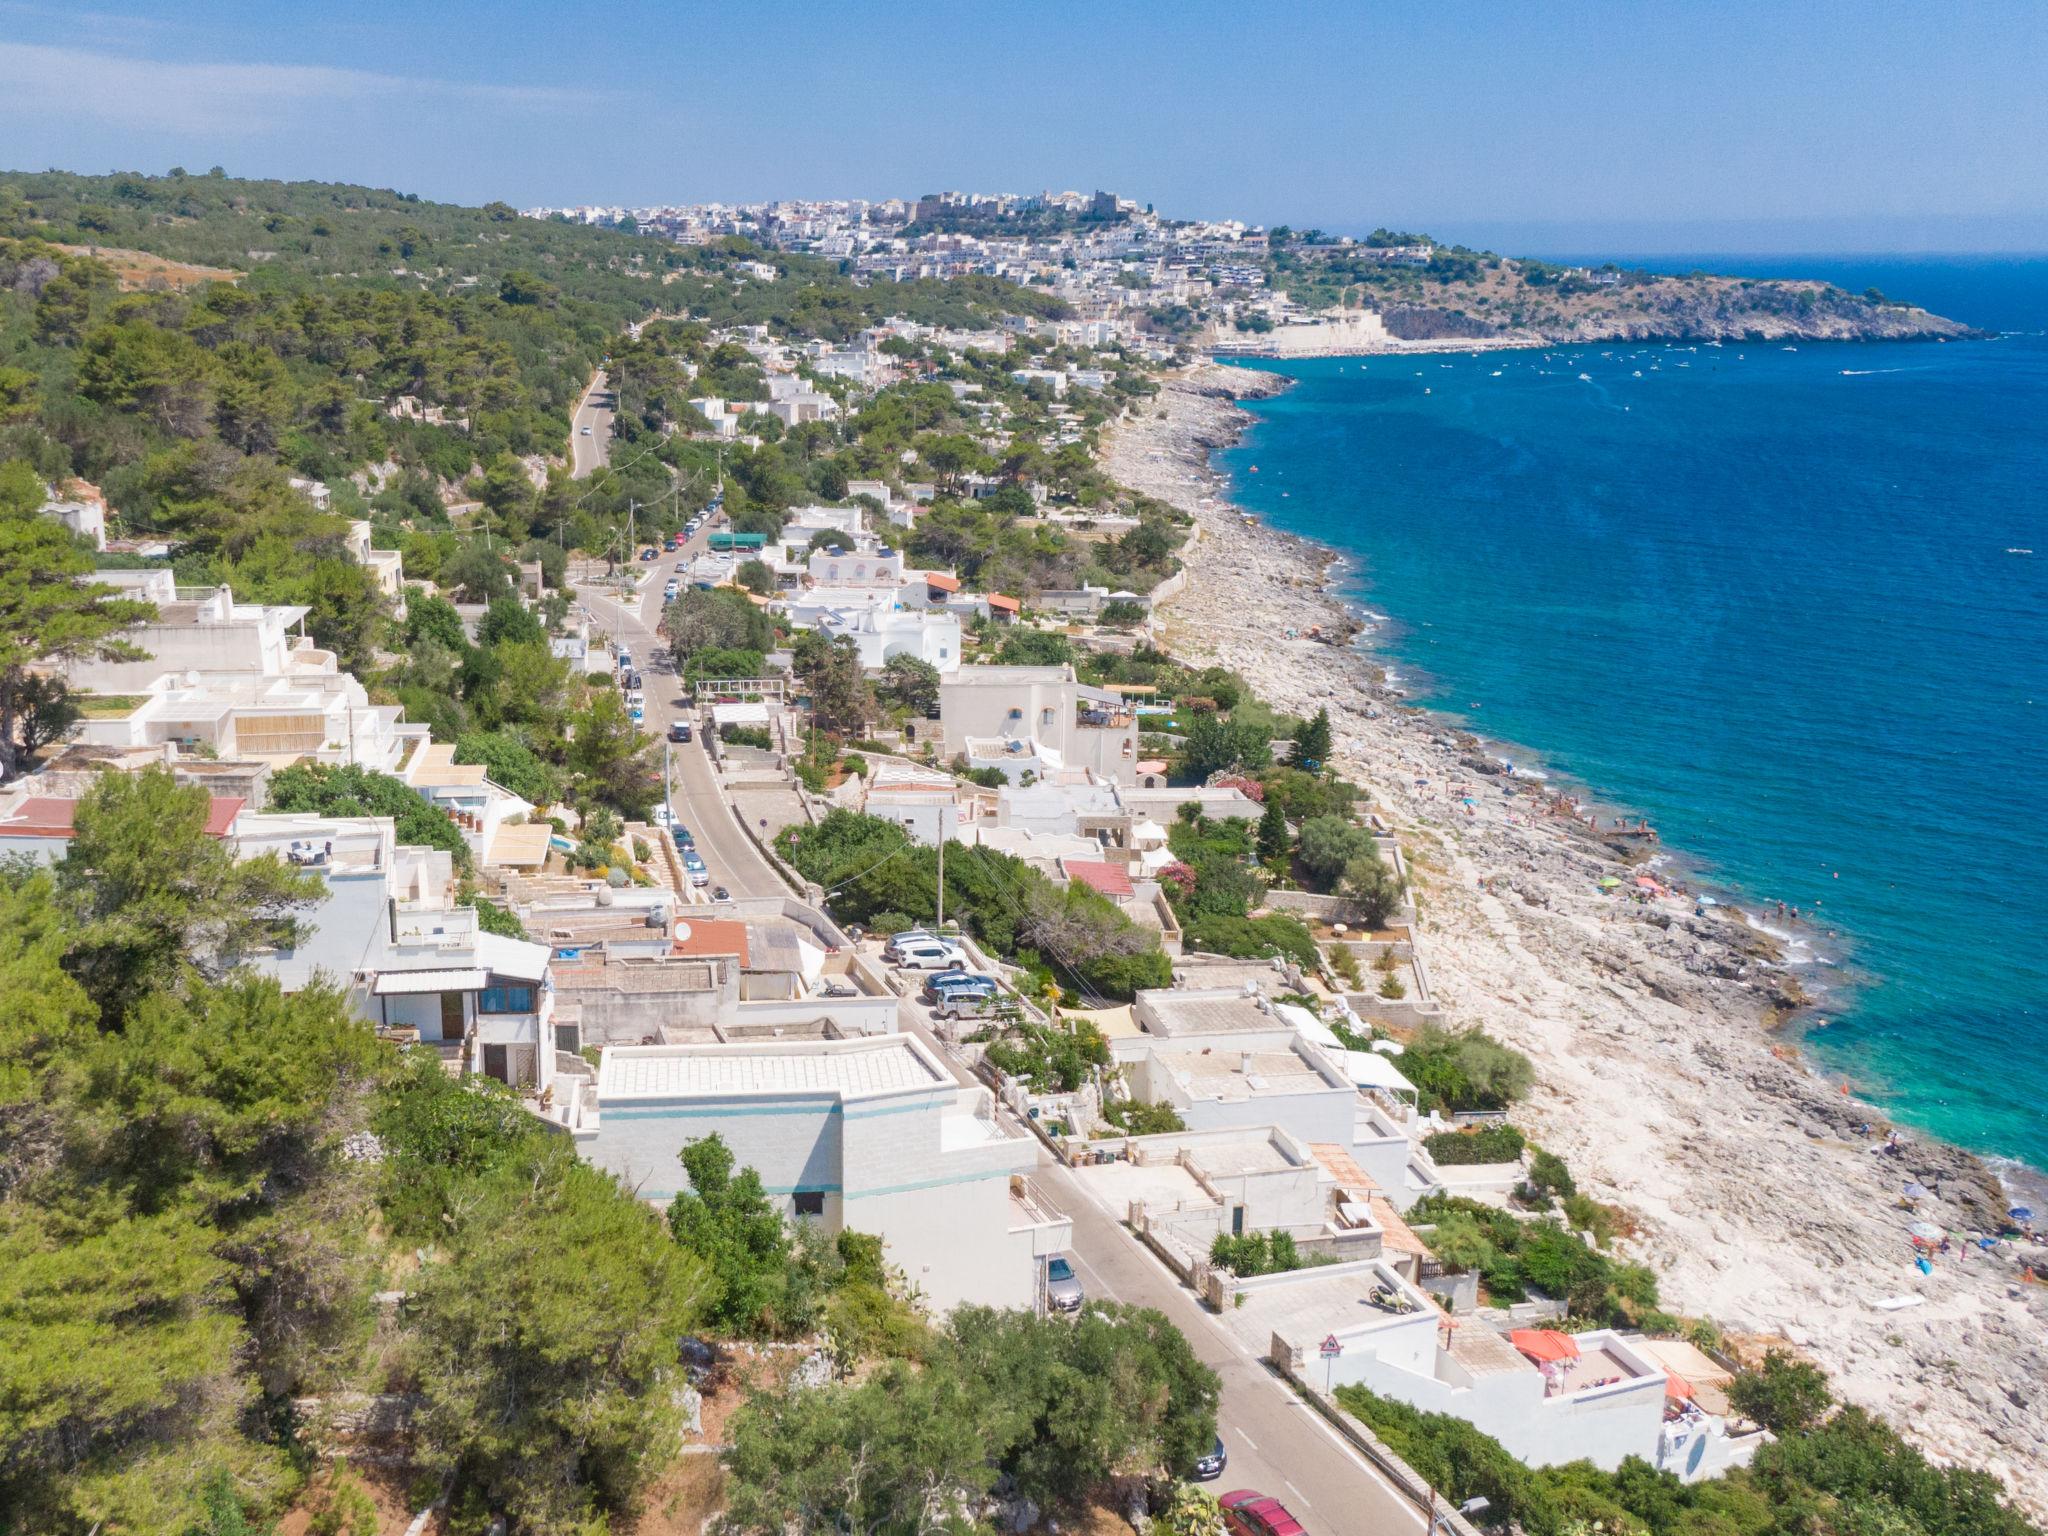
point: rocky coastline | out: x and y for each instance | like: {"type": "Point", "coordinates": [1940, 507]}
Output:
{"type": "Point", "coordinates": [1765, 1195]}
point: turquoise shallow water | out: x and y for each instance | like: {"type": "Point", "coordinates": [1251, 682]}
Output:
{"type": "Point", "coordinates": [1765, 597]}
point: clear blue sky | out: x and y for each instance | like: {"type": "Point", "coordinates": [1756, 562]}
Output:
{"type": "Point", "coordinates": [1553, 126]}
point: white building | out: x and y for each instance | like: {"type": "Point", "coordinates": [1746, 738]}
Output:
{"type": "Point", "coordinates": [879, 634]}
{"type": "Point", "coordinates": [325, 717]}
{"type": "Point", "coordinates": [1607, 1399]}
{"type": "Point", "coordinates": [80, 507]}
{"type": "Point", "coordinates": [1042, 708]}
{"type": "Point", "coordinates": [872, 1135]}
{"type": "Point", "coordinates": [201, 629]}
{"type": "Point", "coordinates": [835, 566]}
{"type": "Point", "coordinates": [386, 566]}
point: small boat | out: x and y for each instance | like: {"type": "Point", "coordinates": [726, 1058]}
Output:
{"type": "Point", "coordinates": [2019, 551]}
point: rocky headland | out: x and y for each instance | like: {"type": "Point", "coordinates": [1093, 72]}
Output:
{"type": "Point", "coordinates": [1766, 1196]}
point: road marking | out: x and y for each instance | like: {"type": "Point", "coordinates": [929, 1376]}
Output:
{"type": "Point", "coordinates": [1306, 1502]}
{"type": "Point", "coordinates": [1248, 1440]}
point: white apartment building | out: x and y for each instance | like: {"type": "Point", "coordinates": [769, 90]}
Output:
{"type": "Point", "coordinates": [1067, 724]}
{"type": "Point", "coordinates": [386, 566]}
{"type": "Point", "coordinates": [388, 932]}
{"type": "Point", "coordinates": [323, 716]}
{"type": "Point", "coordinates": [879, 634]}
{"type": "Point", "coordinates": [872, 1135]}
{"type": "Point", "coordinates": [201, 629]}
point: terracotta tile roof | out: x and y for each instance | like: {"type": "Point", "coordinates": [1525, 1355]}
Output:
{"type": "Point", "coordinates": [53, 816]}
{"type": "Point", "coordinates": [1112, 880]}
{"type": "Point", "coordinates": [1355, 1181]}
{"type": "Point", "coordinates": [1007, 604]}
{"type": "Point", "coordinates": [712, 938]}
{"type": "Point", "coordinates": [939, 583]}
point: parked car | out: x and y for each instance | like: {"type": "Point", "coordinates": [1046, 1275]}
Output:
{"type": "Point", "coordinates": [625, 662]}
{"type": "Point", "coordinates": [636, 714]}
{"type": "Point", "coordinates": [966, 1003]}
{"type": "Point", "coordinates": [693, 863]}
{"type": "Point", "coordinates": [680, 836]}
{"type": "Point", "coordinates": [932, 955]}
{"type": "Point", "coordinates": [1063, 1291]}
{"type": "Point", "coordinates": [663, 816]}
{"type": "Point", "coordinates": [585, 431]}
{"type": "Point", "coordinates": [720, 893]}
{"type": "Point", "coordinates": [647, 554]}
{"type": "Point", "coordinates": [893, 945]}
{"type": "Point", "coordinates": [956, 981]}
{"type": "Point", "coordinates": [1249, 1513]}
{"type": "Point", "coordinates": [1211, 1465]}
{"type": "Point", "coordinates": [670, 590]}
{"type": "Point", "coordinates": [679, 730]}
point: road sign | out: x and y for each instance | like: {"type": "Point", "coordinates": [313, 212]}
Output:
{"type": "Point", "coordinates": [1332, 1348]}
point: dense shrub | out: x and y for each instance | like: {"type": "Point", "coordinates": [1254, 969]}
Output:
{"type": "Point", "coordinates": [1500, 1143]}
{"type": "Point", "coordinates": [1465, 1070]}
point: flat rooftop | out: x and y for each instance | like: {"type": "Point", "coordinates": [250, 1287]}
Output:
{"type": "Point", "coordinates": [1235, 1155]}
{"type": "Point", "coordinates": [1240, 1075]}
{"type": "Point", "coordinates": [841, 1069]}
{"type": "Point", "coordinates": [1308, 1307]}
{"type": "Point", "coordinates": [1176, 1014]}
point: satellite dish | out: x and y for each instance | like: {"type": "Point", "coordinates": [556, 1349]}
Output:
{"type": "Point", "coordinates": [682, 933]}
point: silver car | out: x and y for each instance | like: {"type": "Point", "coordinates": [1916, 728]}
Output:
{"type": "Point", "coordinates": [1063, 1291]}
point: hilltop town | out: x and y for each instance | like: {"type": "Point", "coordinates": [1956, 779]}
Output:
{"type": "Point", "coordinates": [1222, 285]}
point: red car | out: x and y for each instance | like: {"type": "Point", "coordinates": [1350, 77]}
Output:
{"type": "Point", "coordinates": [1246, 1513]}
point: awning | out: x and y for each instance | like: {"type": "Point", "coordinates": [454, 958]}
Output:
{"type": "Point", "coordinates": [1544, 1344]}
{"type": "Point", "coordinates": [1369, 1069]}
{"type": "Point", "coordinates": [414, 983]}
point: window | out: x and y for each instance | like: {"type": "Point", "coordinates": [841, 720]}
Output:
{"type": "Point", "coordinates": [808, 1202]}
{"type": "Point", "coordinates": [503, 999]}
{"type": "Point", "coordinates": [568, 1038]}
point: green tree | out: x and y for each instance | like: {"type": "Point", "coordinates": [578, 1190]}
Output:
{"type": "Point", "coordinates": [1328, 844]}
{"type": "Point", "coordinates": [155, 897]}
{"type": "Point", "coordinates": [1311, 748]}
{"type": "Point", "coordinates": [912, 683]}
{"type": "Point", "coordinates": [47, 616]}
{"type": "Point", "coordinates": [545, 1346]}
{"type": "Point", "coordinates": [724, 1219]}
{"type": "Point", "coordinates": [1372, 888]}
{"type": "Point", "coordinates": [755, 577]}
{"type": "Point", "coordinates": [830, 672]}
{"type": "Point", "coordinates": [1217, 745]}
{"type": "Point", "coordinates": [901, 1454]}
{"type": "Point", "coordinates": [612, 757]}
{"type": "Point", "coordinates": [508, 621]}
{"type": "Point", "coordinates": [1784, 1394]}
{"type": "Point", "coordinates": [510, 763]}
{"type": "Point", "coordinates": [1274, 838]}
{"type": "Point", "coordinates": [350, 790]}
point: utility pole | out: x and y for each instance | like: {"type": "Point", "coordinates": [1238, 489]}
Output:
{"type": "Point", "coordinates": [940, 921]}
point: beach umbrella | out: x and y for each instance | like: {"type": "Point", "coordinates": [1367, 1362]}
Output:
{"type": "Point", "coordinates": [1609, 882]}
{"type": "Point", "coordinates": [1545, 1344]}
{"type": "Point", "coordinates": [2021, 1213]}
{"type": "Point", "coordinates": [1914, 1191]}
{"type": "Point", "coordinates": [1926, 1230]}
{"type": "Point", "coordinates": [1676, 1386]}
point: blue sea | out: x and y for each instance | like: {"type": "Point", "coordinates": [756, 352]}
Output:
{"type": "Point", "coordinates": [1767, 597]}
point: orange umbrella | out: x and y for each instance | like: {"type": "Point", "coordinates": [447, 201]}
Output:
{"type": "Point", "coordinates": [1676, 1386]}
{"type": "Point", "coordinates": [1544, 1344]}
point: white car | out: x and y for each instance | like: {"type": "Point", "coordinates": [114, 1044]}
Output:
{"type": "Point", "coordinates": [585, 431]}
{"type": "Point", "coordinates": [932, 955]}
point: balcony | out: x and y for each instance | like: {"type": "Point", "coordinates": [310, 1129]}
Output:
{"type": "Point", "coordinates": [1030, 1215]}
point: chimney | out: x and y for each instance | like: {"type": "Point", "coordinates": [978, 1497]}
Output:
{"type": "Point", "coordinates": [1244, 1063]}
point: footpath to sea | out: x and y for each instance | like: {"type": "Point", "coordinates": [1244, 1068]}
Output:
{"type": "Point", "coordinates": [1765, 1197]}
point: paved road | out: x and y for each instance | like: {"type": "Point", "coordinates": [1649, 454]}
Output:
{"type": "Point", "coordinates": [589, 453]}
{"type": "Point", "coordinates": [694, 796]}
{"type": "Point", "coordinates": [1278, 1444]}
